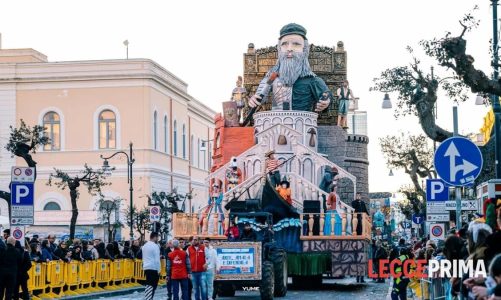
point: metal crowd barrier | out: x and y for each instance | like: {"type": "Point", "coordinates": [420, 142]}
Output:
{"type": "Point", "coordinates": [429, 288]}
{"type": "Point", "coordinates": [56, 279]}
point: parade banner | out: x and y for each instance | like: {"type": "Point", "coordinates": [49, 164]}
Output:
{"type": "Point", "coordinates": [238, 261]}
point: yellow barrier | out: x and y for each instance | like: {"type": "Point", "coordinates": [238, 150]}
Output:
{"type": "Point", "coordinates": [71, 278]}
{"type": "Point", "coordinates": [163, 271]}
{"type": "Point", "coordinates": [138, 270]}
{"type": "Point", "coordinates": [55, 278]}
{"type": "Point", "coordinates": [38, 274]}
{"type": "Point", "coordinates": [86, 276]}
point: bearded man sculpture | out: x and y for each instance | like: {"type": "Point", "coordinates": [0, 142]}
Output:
{"type": "Point", "coordinates": [296, 87]}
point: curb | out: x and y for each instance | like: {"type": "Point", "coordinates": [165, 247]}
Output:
{"type": "Point", "coordinates": [120, 292]}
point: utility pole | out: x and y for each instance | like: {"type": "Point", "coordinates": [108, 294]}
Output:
{"type": "Point", "coordinates": [496, 106]}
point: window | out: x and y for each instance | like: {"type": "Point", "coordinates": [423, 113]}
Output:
{"type": "Point", "coordinates": [184, 141]}
{"type": "Point", "coordinates": [52, 206]}
{"type": "Point", "coordinates": [175, 138]}
{"type": "Point", "coordinates": [166, 135]}
{"type": "Point", "coordinates": [52, 125]}
{"type": "Point", "coordinates": [198, 154]}
{"type": "Point", "coordinates": [155, 129]}
{"type": "Point", "coordinates": [107, 130]}
{"type": "Point", "coordinates": [192, 157]}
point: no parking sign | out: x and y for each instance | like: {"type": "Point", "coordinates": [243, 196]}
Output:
{"type": "Point", "coordinates": [437, 231]}
{"type": "Point", "coordinates": [18, 234]}
{"type": "Point", "coordinates": [154, 213]}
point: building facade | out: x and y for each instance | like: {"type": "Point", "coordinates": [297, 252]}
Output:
{"type": "Point", "coordinates": [91, 108]}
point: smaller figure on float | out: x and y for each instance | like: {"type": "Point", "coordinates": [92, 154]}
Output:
{"type": "Point", "coordinates": [214, 206]}
{"type": "Point", "coordinates": [331, 212]}
{"type": "Point", "coordinates": [284, 190]}
{"type": "Point", "coordinates": [239, 95]}
{"type": "Point", "coordinates": [344, 95]}
{"type": "Point", "coordinates": [233, 174]}
{"type": "Point", "coordinates": [271, 167]}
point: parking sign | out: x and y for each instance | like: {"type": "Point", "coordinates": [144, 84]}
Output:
{"type": "Point", "coordinates": [21, 199]}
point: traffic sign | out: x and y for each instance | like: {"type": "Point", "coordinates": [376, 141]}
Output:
{"type": "Point", "coordinates": [18, 234]}
{"type": "Point", "coordinates": [437, 217]}
{"type": "Point", "coordinates": [406, 224]}
{"type": "Point", "coordinates": [154, 213]}
{"type": "Point", "coordinates": [465, 205]}
{"type": "Point", "coordinates": [436, 190]}
{"type": "Point", "coordinates": [435, 207]}
{"type": "Point", "coordinates": [458, 161]}
{"type": "Point", "coordinates": [22, 174]}
{"type": "Point", "coordinates": [21, 199]}
{"type": "Point", "coordinates": [417, 218]}
{"type": "Point", "coordinates": [437, 231]}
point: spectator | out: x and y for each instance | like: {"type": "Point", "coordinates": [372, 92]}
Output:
{"type": "Point", "coordinates": [62, 252]}
{"type": "Point", "coordinates": [34, 239]}
{"type": "Point", "coordinates": [127, 252]}
{"type": "Point", "coordinates": [108, 254]}
{"type": "Point", "coordinates": [101, 250]}
{"type": "Point", "coordinates": [76, 253]}
{"type": "Point", "coordinates": [10, 262]}
{"type": "Point", "coordinates": [35, 254]}
{"type": "Point", "coordinates": [211, 257]}
{"type": "Point", "coordinates": [46, 255]}
{"type": "Point", "coordinates": [182, 244]}
{"type": "Point", "coordinates": [178, 270]}
{"type": "Point", "coordinates": [233, 232]}
{"type": "Point", "coordinates": [196, 253]}
{"type": "Point", "coordinates": [22, 273]}
{"type": "Point", "coordinates": [136, 249]}
{"type": "Point", "coordinates": [117, 254]}
{"type": "Point", "coordinates": [169, 248]}
{"type": "Point", "coordinates": [6, 234]}
{"type": "Point", "coordinates": [151, 265]}
{"type": "Point", "coordinates": [379, 255]}
{"type": "Point", "coordinates": [86, 251]}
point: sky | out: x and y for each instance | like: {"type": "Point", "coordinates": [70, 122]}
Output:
{"type": "Point", "coordinates": [202, 42]}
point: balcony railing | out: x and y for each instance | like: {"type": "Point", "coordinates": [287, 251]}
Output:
{"type": "Point", "coordinates": [315, 226]}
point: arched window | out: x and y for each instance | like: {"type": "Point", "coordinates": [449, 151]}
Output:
{"type": "Point", "coordinates": [107, 130]}
{"type": "Point", "coordinates": [166, 135]}
{"type": "Point", "coordinates": [175, 138]}
{"type": "Point", "coordinates": [52, 125]}
{"type": "Point", "coordinates": [52, 206]}
{"type": "Point", "coordinates": [184, 141]}
{"type": "Point", "coordinates": [155, 131]}
{"type": "Point", "coordinates": [192, 157]}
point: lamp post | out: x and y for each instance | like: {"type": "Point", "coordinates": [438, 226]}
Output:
{"type": "Point", "coordinates": [130, 162]}
{"type": "Point", "coordinates": [496, 106]}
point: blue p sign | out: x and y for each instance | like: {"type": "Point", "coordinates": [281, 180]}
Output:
{"type": "Point", "coordinates": [436, 190]}
{"type": "Point", "coordinates": [22, 193]}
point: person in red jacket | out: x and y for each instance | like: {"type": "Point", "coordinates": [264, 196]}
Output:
{"type": "Point", "coordinates": [196, 253]}
{"type": "Point", "coordinates": [178, 270]}
{"type": "Point", "coordinates": [233, 232]}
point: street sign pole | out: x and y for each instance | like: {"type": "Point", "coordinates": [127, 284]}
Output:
{"type": "Point", "coordinates": [458, 189]}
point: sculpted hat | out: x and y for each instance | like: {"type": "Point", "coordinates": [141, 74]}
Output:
{"type": "Point", "coordinates": [293, 28]}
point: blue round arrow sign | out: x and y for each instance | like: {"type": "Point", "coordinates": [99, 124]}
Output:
{"type": "Point", "coordinates": [458, 161]}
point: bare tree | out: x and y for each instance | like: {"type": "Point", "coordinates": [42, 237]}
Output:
{"type": "Point", "coordinates": [141, 220]}
{"type": "Point", "coordinates": [410, 153]}
{"type": "Point", "coordinates": [108, 208]}
{"type": "Point", "coordinates": [23, 142]}
{"type": "Point", "coordinates": [93, 179]}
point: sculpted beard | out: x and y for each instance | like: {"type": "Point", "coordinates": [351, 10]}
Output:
{"type": "Point", "coordinates": [290, 69]}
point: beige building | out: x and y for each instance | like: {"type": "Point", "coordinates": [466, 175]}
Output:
{"type": "Point", "coordinates": [97, 107]}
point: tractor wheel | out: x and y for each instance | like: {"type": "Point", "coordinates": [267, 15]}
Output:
{"type": "Point", "coordinates": [267, 281]}
{"type": "Point", "coordinates": [226, 290]}
{"type": "Point", "coordinates": [279, 259]}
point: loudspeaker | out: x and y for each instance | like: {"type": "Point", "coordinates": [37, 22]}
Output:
{"type": "Point", "coordinates": [311, 206]}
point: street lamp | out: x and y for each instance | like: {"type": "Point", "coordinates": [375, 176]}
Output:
{"type": "Point", "coordinates": [386, 102]}
{"type": "Point", "coordinates": [130, 162]}
{"type": "Point", "coordinates": [496, 106]}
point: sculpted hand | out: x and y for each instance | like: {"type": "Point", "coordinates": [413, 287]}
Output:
{"type": "Point", "coordinates": [322, 104]}
{"type": "Point", "coordinates": [255, 101]}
